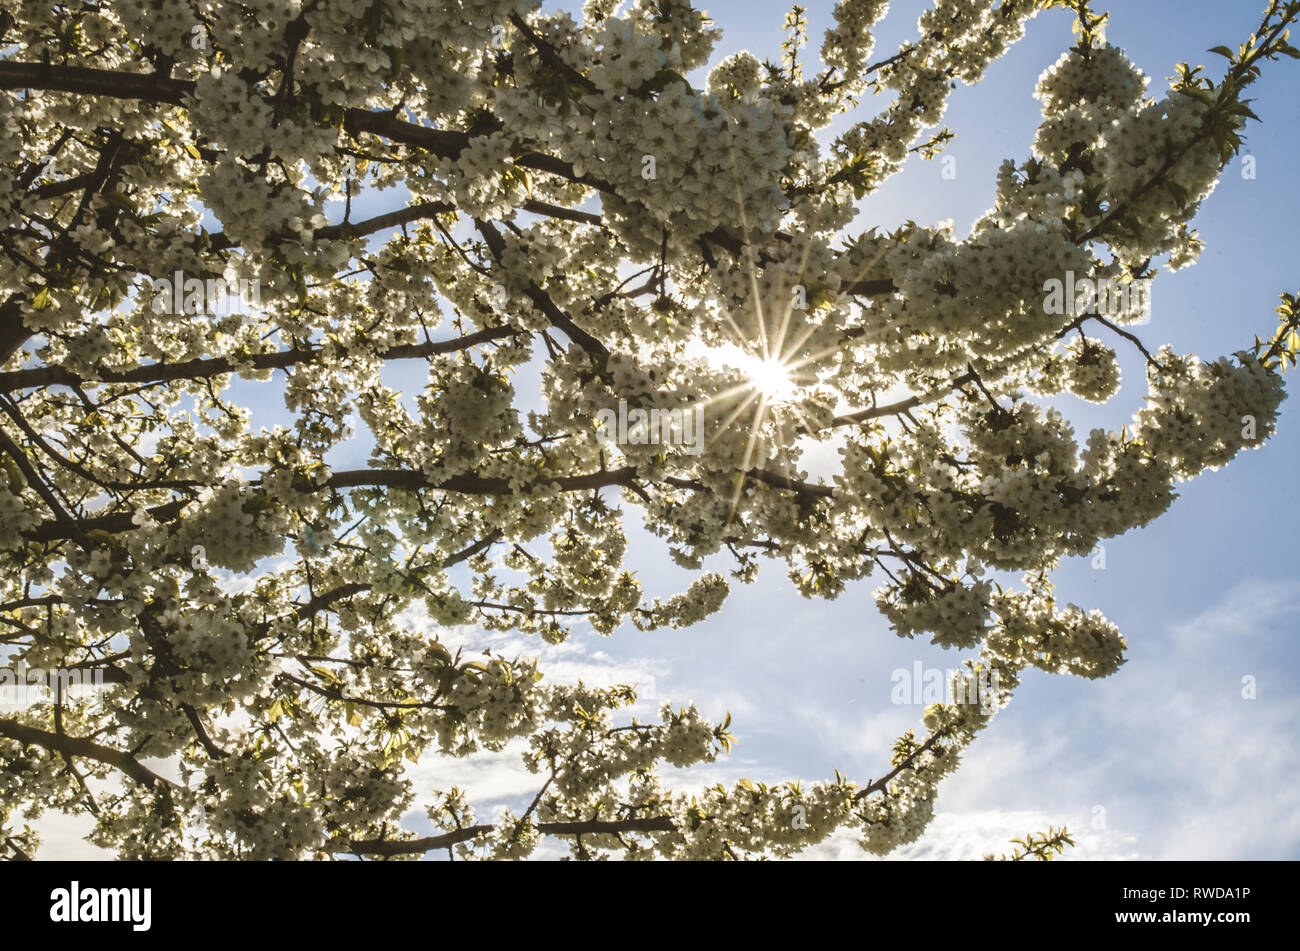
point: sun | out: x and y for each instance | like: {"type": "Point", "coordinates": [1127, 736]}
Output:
{"type": "Point", "coordinates": [771, 378]}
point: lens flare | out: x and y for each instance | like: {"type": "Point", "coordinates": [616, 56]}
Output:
{"type": "Point", "coordinates": [768, 380]}
{"type": "Point", "coordinates": [771, 378]}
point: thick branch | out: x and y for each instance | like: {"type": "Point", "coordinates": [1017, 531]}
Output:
{"type": "Point", "coordinates": [429, 843]}
{"type": "Point", "coordinates": [77, 746]}
{"type": "Point", "coordinates": [214, 366]}
{"type": "Point", "coordinates": [414, 480]}
{"type": "Point", "coordinates": [119, 84]}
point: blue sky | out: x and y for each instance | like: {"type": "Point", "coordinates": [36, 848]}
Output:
{"type": "Point", "coordinates": [1163, 760]}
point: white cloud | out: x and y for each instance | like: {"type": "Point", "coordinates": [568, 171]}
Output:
{"type": "Point", "coordinates": [970, 836]}
{"type": "Point", "coordinates": [1181, 764]}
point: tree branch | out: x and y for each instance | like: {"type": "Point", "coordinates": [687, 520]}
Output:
{"type": "Point", "coordinates": [214, 366]}
{"type": "Point", "coordinates": [429, 843]}
{"type": "Point", "coordinates": [77, 746]}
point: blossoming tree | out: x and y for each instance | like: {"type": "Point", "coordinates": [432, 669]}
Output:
{"type": "Point", "coordinates": [565, 198]}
